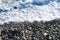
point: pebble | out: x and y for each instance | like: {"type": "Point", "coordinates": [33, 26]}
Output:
{"type": "Point", "coordinates": [31, 31]}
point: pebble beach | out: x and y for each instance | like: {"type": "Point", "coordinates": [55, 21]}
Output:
{"type": "Point", "coordinates": [49, 30]}
{"type": "Point", "coordinates": [29, 20]}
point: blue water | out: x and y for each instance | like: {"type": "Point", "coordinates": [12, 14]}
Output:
{"type": "Point", "coordinates": [40, 3]}
{"type": "Point", "coordinates": [34, 2]}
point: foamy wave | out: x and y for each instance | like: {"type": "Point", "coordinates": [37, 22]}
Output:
{"type": "Point", "coordinates": [32, 13]}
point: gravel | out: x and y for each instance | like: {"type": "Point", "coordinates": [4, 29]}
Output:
{"type": "Point", "coordinates": [49, 30]}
